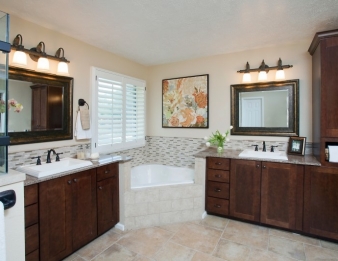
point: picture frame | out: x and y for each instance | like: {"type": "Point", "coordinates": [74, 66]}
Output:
{"type": "Point", "coordinates": [185, 102]}
{"type": "Point", "coordinates": [297, 145]}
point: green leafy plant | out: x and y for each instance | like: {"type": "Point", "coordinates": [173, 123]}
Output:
{"type": "Point", "coordinates": [218, 139]}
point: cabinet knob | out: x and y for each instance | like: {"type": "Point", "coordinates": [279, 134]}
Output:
{"type": "Point", "coordinates": [69, 182]}
{"type": "Point", "coordinates": [264, 167]}
{"type": "Point", "coordinates": [217, 206]}
{"type": "Point", "coordinates": [218, 176]}
{"type": "Point", "coordinates": [218, 163]}
{"type": "Point", "coordinates": [257, 165]}
{"type": "Point", "coordinates": [217, 190]}
{"type": "Point", "coordinates": [75, 180]}
{"type": "Point", "coordinates": [100, 188]}
{"type": "Point", "coordinates": [107, 171]}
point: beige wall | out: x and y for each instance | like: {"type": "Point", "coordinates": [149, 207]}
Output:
{"type": "Point", "coordinates": [82, 56]}
{"type": "Point", "coordinates": [222, 70]}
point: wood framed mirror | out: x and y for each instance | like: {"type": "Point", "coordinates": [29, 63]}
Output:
{"type": "Point", "coordinates": [269, 108]}
{"type": "Point", "coordinates": [47, 101]}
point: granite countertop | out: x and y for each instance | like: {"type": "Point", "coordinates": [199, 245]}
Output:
{"type": "Point", "coordinates": [233, 154]}
{"type": "Point", "coordinates": [11, 177]}
{"type": "Point", "coordinates": [32, 180]}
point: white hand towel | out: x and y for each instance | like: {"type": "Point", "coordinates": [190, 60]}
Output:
{"type": "Point", "coordinates": [2, 233]}
{"type": "Point", "coordinates": [79, 132]}
{"type": "Point", "coordinates": [85, 118]}
{"type": "Point", "coordinates": [333, 153]}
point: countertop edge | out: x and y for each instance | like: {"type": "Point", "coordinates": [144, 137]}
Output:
{"type": "Point", "coordinates": [11, 177]}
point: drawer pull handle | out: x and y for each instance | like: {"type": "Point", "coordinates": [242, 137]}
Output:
{"type": "Point", "coordinates": [107, 171]}
{"type": "Point", "coordinates": [75, 180]}
{"type": "Point", "coordinates": [217, 206]}
{"type": "Point", "coordinates": [69, 182]}
{"type": "Point", "coordinates": [100, 188]}
{"type": "Point", "coordinates": [217, 190]}
{"type": "Point", "coordinates": [257, 165]}
{"type": "Point", "coordinates": [218, 176]}
{"type": "Point", "coordinates": [264, 167]}
{"type": "Point", "coordinates": [218, 163]}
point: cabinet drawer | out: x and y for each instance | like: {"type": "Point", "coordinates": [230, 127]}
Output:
{"type": "Point", "coordinates": [31, 215]}
{"type": "Point", "coordinates": [107, 171]}
{"type": "Point", "coordinates": [218, 175]}
{"type": "Point", "coordinates": [218, 163]}
{"type": "Point", "coordinates": [31, 194]}
{"type": "Point", "coordinates": [218, 189]}
{"type": "Point", "coordinates": [34, 256]}
{"type": "Point", "coordinates": [217, 206]}
{"type": "Point", "coordinates": [32, 238]}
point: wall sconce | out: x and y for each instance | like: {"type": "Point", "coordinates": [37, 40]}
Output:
{"type": "Point", "coordinates": [39, 55]}
{"type": "Point", "coordinates": [263, 70]}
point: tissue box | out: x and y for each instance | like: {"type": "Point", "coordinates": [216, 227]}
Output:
{"type": "Point", "coordinates": [333, 153]}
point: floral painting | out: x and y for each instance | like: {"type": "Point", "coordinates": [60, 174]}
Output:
{"type": "Point", "coordinates": [185, 102]}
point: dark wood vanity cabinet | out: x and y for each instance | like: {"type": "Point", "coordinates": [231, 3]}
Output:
{"type": "Point", "coordinates": [282, 195]}
{"type": "Point", "coordinates": [108, 213]}
{"type": "Point", "coordinates": [31, 223]}
{"type": "Point", "coordinates": [46, 107]}
{"type": "Point", "coordinates": [321, 201]}
{"type": "Point", "coordinates": [68, 217]}
{"type": "Point", "coordinates": [245, 187]}
{"type": "Point", "coordinates": [217, 186]}
{"type": "Point", "coordinates": [263, 192]}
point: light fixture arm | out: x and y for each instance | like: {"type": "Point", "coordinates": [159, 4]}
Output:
{"type": "Point", "coordinates": [58, 54]}
{"type": "Point", "coordinates": [264, 66]}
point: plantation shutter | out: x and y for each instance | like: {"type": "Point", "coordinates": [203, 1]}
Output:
{"type": "Point", "coordinates": [120, 112]}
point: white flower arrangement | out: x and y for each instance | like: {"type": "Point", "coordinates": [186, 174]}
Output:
{"type": "Point", "coordinates": [218, 139]}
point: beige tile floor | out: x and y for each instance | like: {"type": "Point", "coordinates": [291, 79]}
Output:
{"type": "Point", "coordinates": [211, 239]}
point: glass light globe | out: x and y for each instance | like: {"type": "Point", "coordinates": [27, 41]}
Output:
{"type": "Point", "coordinates": [262, 76]}
{"type": "Point", "coordinates": [246, 77]}
{"type": "Point", "coordinates": [280, 75]}
{"type": "Point", "coordinates": [62, 68]}
{"type": "Point", "coordinates": [19, 59]}
{"type": "Point", "coordinates": [43, 64]}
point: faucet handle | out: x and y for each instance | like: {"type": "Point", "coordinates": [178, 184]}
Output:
{"type": "Point", "coordinates": [38, 162]}
{"type": "Point", "coordinates": [57, 156]}
{"type": "Point", "coordinates": [256, 147]}
{"type": "Point", "coordinates": [273, 148]}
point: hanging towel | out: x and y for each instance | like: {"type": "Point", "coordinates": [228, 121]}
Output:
{"type": "Point", "coordinates": [85, 119]}
{"type": "Point", "coordinates": [79, 132]}
{"type": "Point", "coordinates": [2, 233]}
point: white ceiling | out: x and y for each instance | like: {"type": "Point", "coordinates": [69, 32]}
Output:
{"type": "Point", "coordinates": [153, 32]}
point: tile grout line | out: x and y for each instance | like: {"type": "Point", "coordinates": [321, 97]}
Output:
{"type": "Point", "coordinates": [219, 239]}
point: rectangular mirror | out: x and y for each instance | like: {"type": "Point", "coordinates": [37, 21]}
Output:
{"type": "Point", "coordinates": [47, 102]}
{"type": "Point", "coordinates": [269, 108]}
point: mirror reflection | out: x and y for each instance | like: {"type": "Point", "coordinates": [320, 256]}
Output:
{"type": "Point", "coordinates": [40, 106]}
{"type": "Point", "coordinates": [255, 109]}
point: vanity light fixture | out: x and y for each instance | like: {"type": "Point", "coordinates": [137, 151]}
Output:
{"type": "Point", "coordinates": [62, 65]}
{"type": "Point", "coordinates": [19, 57]}
{"type": "Point", "coordinates": [263, 70]}
{"type": "Point", "coordinates": [39, 55]}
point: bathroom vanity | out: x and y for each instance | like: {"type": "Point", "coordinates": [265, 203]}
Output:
{"type": "Point", "coordinates": [295, 194]}
{"type": "Point", "coordinates": [66, 212]}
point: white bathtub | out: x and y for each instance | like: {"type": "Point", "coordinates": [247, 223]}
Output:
{"type": "Point", "coordinates": [153, 175]}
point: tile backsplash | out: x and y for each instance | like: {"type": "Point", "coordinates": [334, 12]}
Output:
{"type": "Point", "coordinates": [174, 151]}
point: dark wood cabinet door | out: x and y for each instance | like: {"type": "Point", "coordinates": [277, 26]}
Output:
{"type": "Point", "coordinates": [107, 204]}
{"type": "Point", "coordinates": [281, 195]}
{"type": "Point", "coordinates": [321, 201]}
{"type": "Point", "coordinates": [245, 184]}
{"type": "Point", "coordinates": [329, 90]}
{"type": "Point", "coordinates": [84, 215]}
{"type": "Point", "coordinates": [55, 201]}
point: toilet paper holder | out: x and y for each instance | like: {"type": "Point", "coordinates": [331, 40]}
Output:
{"type": "Point", "coordinates": [8, 198]}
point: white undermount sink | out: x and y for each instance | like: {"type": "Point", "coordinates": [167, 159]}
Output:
{"type": "Point", "coordinates": [47, 169]}
{"type": "Point", "coordinates": [249, 153]}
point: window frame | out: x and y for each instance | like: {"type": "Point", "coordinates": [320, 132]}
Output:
{"type": "Point", "coordinates": [94, 112]}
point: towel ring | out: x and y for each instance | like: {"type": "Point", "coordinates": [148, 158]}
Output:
{"type": "Point", "coordinates": [82, 102]}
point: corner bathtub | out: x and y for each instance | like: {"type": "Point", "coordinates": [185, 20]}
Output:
{"type": "Point", "coordinates": [153, 175]}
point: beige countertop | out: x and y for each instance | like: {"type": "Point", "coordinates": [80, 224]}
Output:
{"type": "Point", "coordinates": [233, 154]}
{"type": "Point", "coordinates": [32, 180]}
{"type": "Point", "coordinates": [11, 177]}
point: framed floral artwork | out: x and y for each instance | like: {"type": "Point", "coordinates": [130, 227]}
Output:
{"type": "Point", "coordinates": [185, 102]}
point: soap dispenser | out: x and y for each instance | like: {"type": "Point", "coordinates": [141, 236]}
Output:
{"type": "Point", "coordinates": [87, 151]}
{"type": "Point", "coordinates": [80, 153]}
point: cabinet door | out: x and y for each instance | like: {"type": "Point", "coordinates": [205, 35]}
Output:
{"type": "Point", "coordinates": [329, 90]}
{"type": "Point", "coordinates": [107, 204]}
{"type": "Point", "coordinates": [321, 201]}
{"type": "Point", "coordinates": [282, 195]}
{"type": "Point", "coordinates": [55, 198]}
{"type": "Point", "coordinates": [39, 101]}
{"type": "Point", "coordinates": [245, 183]}
{"type": "Point", "coordinates": [84, 215]}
